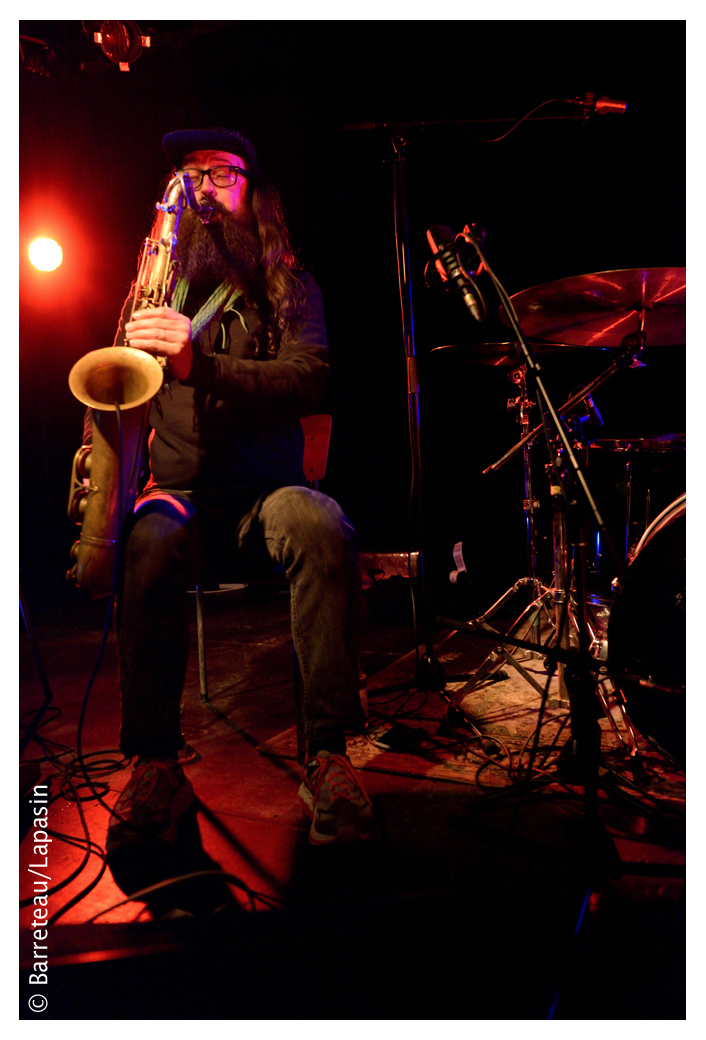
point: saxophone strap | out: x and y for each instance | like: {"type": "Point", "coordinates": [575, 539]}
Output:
{"type": "Point", "coordinates": [220, 300]}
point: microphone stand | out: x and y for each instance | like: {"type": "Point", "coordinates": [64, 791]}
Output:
{"type": "Point", "coordinates": [429, 671]}
{"type": "Point", "coordinates": [430, 675]}
{"type": "Point", "coordinates": [584, 705]}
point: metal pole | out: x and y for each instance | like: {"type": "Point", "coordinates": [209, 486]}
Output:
{"type": "Point", "coordinates": [432, 674]}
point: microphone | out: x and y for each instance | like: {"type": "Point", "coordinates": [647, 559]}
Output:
{"type": "Point", "coordinates": [446, 261]}
{"type": "Point", "coordinates": [592, 414]}
{"type": "Point", "coordinates": [598, 106]}
{"type": "Point", "coordinates": [593, 411]}
{"type": "Point", "coordinates": [588, 417]}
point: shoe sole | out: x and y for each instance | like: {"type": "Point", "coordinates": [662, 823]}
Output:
{"type": "Point", "coordinates": [351, 826]}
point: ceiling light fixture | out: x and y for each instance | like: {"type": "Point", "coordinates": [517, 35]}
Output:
{"type": "Point", "coordinates": [121, 42]}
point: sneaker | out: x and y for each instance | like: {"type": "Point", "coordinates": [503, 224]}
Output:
{"type": "Point", "coordinates": [148, 809]}
{"type": "Point", "coordinates": [335, 802]}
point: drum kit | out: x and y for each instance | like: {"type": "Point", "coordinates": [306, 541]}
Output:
{"type": "Point", "coordinates": [625, 600]}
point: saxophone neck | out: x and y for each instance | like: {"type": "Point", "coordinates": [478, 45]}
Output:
{"type": "Point", "coordinates": [156, 279]}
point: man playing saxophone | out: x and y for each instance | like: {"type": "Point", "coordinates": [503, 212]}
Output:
{"type": "Point", "coordinates": [246, 356]}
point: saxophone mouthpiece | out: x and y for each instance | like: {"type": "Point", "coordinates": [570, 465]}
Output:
{"type": "Point", "coordinates": [200, 208]}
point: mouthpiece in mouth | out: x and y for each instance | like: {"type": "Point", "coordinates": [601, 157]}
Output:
{"type": "Point", "coordinates": [205, 213]}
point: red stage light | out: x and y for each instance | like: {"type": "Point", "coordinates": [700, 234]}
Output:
{"type": "Point", "coordinates": [45, 254]}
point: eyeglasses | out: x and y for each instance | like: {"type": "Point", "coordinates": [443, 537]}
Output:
{"type": "Point", "coordinates": [220, 176]}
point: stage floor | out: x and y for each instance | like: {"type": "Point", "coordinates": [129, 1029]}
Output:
{"type": "Point", "coordinates": [468, 906]}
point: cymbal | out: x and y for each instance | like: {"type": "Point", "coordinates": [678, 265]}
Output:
{"type": "Point", "coordinates": [510, 354]}
{"type": "Point", "coordinates": [664, 442]}
{"type": "Point", "coordinates": [599, 310]}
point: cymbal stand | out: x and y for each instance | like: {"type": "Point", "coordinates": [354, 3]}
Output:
{"type": "Point", "coordinates": [568, 483]}
{"type": "Point", "coordinates": [556, 603]}
{"type": "Point", "coordinates": [567, 602]}
{"type": "Point", "coordinates": [522, 405]}
{"type": "Point", "coordinates": [528, 624]}
{"type": "Point", "coordinates": [632, 347]}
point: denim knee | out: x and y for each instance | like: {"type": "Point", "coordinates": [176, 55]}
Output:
{"type": "Point", "coordinates": [299, 521]}
{"type": "Point", "coordinates": [164, 539]}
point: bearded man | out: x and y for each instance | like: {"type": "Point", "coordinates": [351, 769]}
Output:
{"type": "Point", "coordinates": [246, 348]}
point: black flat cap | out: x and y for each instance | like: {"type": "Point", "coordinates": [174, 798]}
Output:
{"type": "Point", "coordinates": [179, 143]}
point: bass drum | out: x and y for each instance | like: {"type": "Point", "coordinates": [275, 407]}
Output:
{"type": "Point", "coordinates": [647, 633]}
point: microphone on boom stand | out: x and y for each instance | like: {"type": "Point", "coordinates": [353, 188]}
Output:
{"type": "Point", "coordinates": [591, 105]}
{"type": "Point", "coordinates": [447, 265]}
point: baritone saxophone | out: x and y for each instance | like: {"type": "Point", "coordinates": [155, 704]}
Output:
{"type": "Point", "coordinates": [117, 384]}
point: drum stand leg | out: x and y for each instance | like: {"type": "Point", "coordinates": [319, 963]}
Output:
{"type": "Point", "coordinates": [610, 699]}
{"type": "Point", "coordinates": [548, 604]}
{"type": "Point", "coordinates": [605, 691]}
{"type": "Point", "coordinates": [528, 620]}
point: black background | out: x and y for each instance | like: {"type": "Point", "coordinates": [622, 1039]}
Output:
{"type": "Point", "coordinates": [557, 197]}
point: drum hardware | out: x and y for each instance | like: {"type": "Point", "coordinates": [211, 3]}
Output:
{"type": "Point", "coordinates": [560, 589]}
{"type": "Point", "coordinates": [507, 354]}
{"type": "Point", "coordinates": [551, 604]}
{"type": "Point", "coordinates": [608, 697]}
{"type": "Point", "coordinates": [579, 649]}
{"type": "Point", "coordinates": [624, 360]}
{"type": "Point", "coordinates": [576, 649]}
{"type": "Point", "coordinates": [596, 310]}
{"type": "Point", "coordinates": [566, 601]}
{"type": "Point", "coordinates": [568, 488]}
{"type": "Point", "coordinates": [564, 596]}
{"type": "Point", "coordinates": [539, 595]}
{"type": "Point", "coordinates": [611, 698]}
{"type": "Point", "coordinates": [522, 405]}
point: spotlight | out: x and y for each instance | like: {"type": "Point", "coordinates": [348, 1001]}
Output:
{"type": "Point", "coordinates": [45, 254]}
{"type": "Point", "coordinates": [121, 42]}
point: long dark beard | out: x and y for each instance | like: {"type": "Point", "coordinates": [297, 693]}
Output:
{"type": "Point", "coordinates": [226, 248]}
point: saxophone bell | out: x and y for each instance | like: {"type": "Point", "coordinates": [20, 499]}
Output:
{"type": "Point", "coordinates": [115, 375]}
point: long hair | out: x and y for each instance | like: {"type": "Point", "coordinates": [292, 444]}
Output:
{"type": "Point", "coordinates": [274, 283]}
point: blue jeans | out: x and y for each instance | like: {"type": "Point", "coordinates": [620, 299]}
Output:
{"type": "Point", "coordinates": [172, 539]}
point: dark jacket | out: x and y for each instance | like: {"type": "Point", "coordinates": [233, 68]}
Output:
{"type": "Point", "coordinates": [235, 420]}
